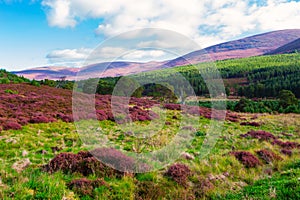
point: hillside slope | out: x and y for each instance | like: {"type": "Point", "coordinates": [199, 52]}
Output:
{"type": "Point", "coordinates": [246, 47]}
{"type": "Point", "coordinates": [7, 77]}
{"type": "Point", "coordinates": [291, 47]}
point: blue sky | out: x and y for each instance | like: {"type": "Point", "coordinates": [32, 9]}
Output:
{"type": "Point", "coordinates": [63, 32]}
{"type": "Point", "coordinates": [26, 38]}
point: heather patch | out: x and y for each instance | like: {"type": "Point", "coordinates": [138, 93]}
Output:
{"type": "Point", "coordinates": [246, 158]}
{"type": "Point", "coordinates": [179, 173]}
{"type": "Point", "coordinates": [85, 187]}
{"type": "Point", "coordinates": [262, 135]}
{"type": "Point", "coordinates": [268, 156]}
{"type": "Point", "coordinates": [255, 124]}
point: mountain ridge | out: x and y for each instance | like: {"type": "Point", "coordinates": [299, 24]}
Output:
{"type": "Point", "coordinates": [288, 48]}
{"type": "Point", "coordinates": [255, 45]}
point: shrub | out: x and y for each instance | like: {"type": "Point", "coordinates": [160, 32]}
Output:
{"type": "Point", "coordinates": [41, 119]}
{"type": "Point", "coordinates": [65, 117]}
{"type": "Point", "coordinates": [142, 118]}
{"type": "Point", "coordinates": [286, 145]}
{"type": "Point", "coordinates": [35, 83]}
{"type": "Point", "coordinates": [85, 187]}
{"type": "Point", "coordinates": [202, 187]}
{"type": "Point", "coordinates": [91, 165]}
{"type": "Point", "coordinates": [23, 120]}
{"type": "Point", "coordinates": [268, 156]}
{"type": "Point", "coordinates": [115, 159]}
{"type": "Point", "coordinates": [256, 124]}
{"type": "Point", "coordinates": [11, 125]}
{"type": "Point", "coordinates": [173, 106]}
{"type": "Point", "coordinates": [287, 98]}
{"type": "Point", "coordinates": [8, 91]}
{"type": "Point", "coordinates": [101, 115]}
{"type": "Point", "coordinates": [83, 163]}
{"type": "Point", "coordinates": [179, 173]}
{"type": "Point", "coordinates": [66, 162]}
{"type": "Point", "coordinates": [286, 152]}
{"type": "Point", "coordinates": [246, 158]}
{"type": "Point", "coordinates": [262, 135]}
{"type": "Point", "coordinates": [4, 81]}
{"type": "Point", "coordinates": [148, 190]}
{"type": "Point", "coordinates": [241, 105]}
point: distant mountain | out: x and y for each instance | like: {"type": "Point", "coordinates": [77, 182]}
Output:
{"type": "Point", "coordinates": [54, 73]}
{"type": "Point", "coordinates": [118, 69]}
{"type": "Point", "coordinates": [250, 46]}
{"type": "Point", "coordinates": [291, 47]}
{"type": "Point", "coordinates": [95, 70]}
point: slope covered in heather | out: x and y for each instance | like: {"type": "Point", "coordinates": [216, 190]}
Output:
{"type": "Point", "coordinates": [291, 47]}
{"type": "Point", "coordinates": [241, 48]}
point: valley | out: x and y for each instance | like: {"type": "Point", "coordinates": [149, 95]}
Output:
{"type": "Point", "coordinates": [223, 128]}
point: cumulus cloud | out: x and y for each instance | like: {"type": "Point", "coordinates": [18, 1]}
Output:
{"type": "Point", "coordinates": [104, 54]}
{"type": "Point", "coordinates": [227, 18]}
{"type": "Point", "coordinates": [144, 55]}
{"type": "Point", "coordinates": [206, 22]}
{"type": "Point", "coordinates": [60, 13]}
{"type": "Point", "coordinates": [68, 55]}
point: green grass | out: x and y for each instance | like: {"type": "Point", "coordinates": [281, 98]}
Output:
{"type": "Point", "coordinates": [284, 185]}
{"type": "Point", "coordinates": [32, 183]}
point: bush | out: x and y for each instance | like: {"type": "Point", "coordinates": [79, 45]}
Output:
{"type": "Point", "coordinates": [286, 145]}
{"type": "Point", "coordinates": [11, 125]}
{"type": "Point", "coordinates": [286, 152]}
{"type": "Point", "coordinates": [115, 159]}
{"type": "Point", "coordinates": [65, 117]}
{"type": "Point", "coordinates": [268, 156]}
{"type": "Point", "coordinates": [262, 135]}
{"type": "Point", "coordinates": [173, 106]}
{"type": "Point", "coordinates": [8, 91]}
{"type": "Point", "coordinates": [179, 173]}
{"type": "Point", "coordinates": [91, 165]}
{"type": "Point", "coordinates": [148, 190]}
{"type": "Point", "coordinates": [287, 98]}
{"type": "Point", "coordinates": [66, 162]}
{"type": "Point", "coordinates": [202, 187]}
{"type": "Point", "coordinates": [241, 105]}
{"type": "Point", "coordinates": [292, 109]}
{"type": "Point", "coordinates": [85, 187]}
{"type": "Point", "coordinates": [41, 119]}
{"type": "Point", "coordinates": [35, 83]}
{"type": "Point", "coordinates": [4, 81]}
{"type": "Point", "coordinates": [83, 163]}
{"type": "Point", "coordinates": [246, 158]}
{"type": "Point", "coordinates": [255, 124]}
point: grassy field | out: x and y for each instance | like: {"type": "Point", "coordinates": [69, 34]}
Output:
{"type": "Point", "coordinates": [217, 176]}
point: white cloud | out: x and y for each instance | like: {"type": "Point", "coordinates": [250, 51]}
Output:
{"type": "Point", "coordinates": [205, 21]}
{"type": "Point", "coordinates": [279, 16]}
{"type": "Point", "coordinates": [144, 55]}
{"type": "Point", "coordinates": [107, 53]}
{"type": "Point", "coordinates": [68, 55]}
{"type": "Point", "coordinates": [60, 13]}
{"type": "Point", "coordinates": [76, 57]}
